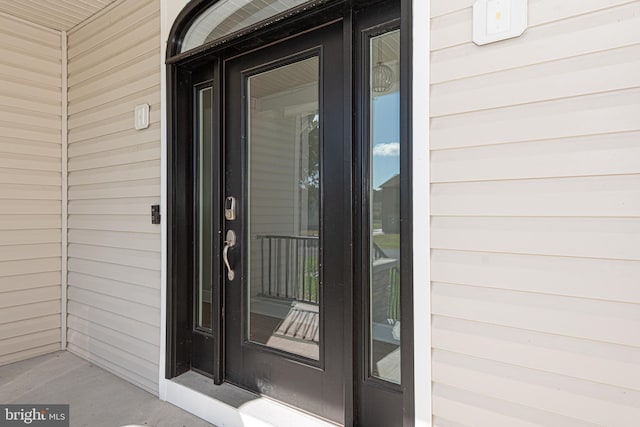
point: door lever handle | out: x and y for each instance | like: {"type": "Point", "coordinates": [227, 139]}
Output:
{"type": "Point", "coordinates": [229, 243]}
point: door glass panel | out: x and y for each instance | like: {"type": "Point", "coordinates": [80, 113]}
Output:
{"type": "Point", "coordinates": [385, 207]}
{"type": "Point", "coordinates": [204, 188]}
{"type": "Point", "coordinates": [226, 17]}
{"type": "Point", "coordinates": [283, 130]}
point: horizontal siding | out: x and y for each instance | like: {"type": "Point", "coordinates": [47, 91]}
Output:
{"type": "Point", "coordinates": [535, 204]}
{"type": "Point", "coordinates": [477, 409]}
{"type": "Point", "coordinates": [449, 26]}
{"type": "Point", "coordinates": [614, 195]}
{"type": "Point", "coordinates": [552, 158]}
{"type": "Point", "coordinates": [30, 190]}
{"type": "Point", "coordinates": [575, 35]}
{"type": "Point", "coordinates": [541, 347]}
{"type": "Point", "coordinates": [614, 238]}
{"type": "Point", "coordinates": [114, 178]}
{"type": "Point", "coordinates": [601, 321]}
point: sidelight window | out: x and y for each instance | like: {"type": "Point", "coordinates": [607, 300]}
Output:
{"type": "Point", "coordinates": [384, 146]}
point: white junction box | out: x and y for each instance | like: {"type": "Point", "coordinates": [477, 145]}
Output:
{"type": "Point", "coordinates": [495, 20]}
{"type": "Point", "coordinates": [141, 116]}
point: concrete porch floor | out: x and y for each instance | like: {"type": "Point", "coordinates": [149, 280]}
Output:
{"type": "Point", "coordinates": [96, 397]}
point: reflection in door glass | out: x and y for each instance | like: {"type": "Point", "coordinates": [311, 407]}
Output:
{"type": "Point", "coordinates": [284, 208]}
{"type": "Point", "coordinates": [204, 187]}
{"type": "Point", "coordinates": [385, 207]}
{"type": "Point", "coordinates": [226, 17]}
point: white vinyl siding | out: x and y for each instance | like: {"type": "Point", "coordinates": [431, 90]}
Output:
{"type": "Point", "coordinates": [30, 189]}
{"type": "Point", "coordinates": [114, 178]}
{"type": "Point", "coordinates": [535, 204]}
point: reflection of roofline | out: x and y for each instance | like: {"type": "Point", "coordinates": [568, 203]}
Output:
{"type": "Point", "coordinates": [394, 181]}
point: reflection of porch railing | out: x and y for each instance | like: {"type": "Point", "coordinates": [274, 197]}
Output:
{"type": "Point", "coordinates": [378, 253]}
{"type": "Point", "coordinates": [290, 266]}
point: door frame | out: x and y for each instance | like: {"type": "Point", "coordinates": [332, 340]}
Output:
{"type": "Point", "coordinates": [170, 353]}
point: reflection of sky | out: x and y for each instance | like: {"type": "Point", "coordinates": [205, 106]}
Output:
{"type": "Point", "coordinates": [386, 135]}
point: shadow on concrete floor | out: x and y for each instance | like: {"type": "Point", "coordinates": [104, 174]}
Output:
{"type": "Point", "coordinates": [96, 397]}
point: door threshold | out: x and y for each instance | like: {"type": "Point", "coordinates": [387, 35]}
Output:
{"type": "Point", "coordinates": [227, 405]}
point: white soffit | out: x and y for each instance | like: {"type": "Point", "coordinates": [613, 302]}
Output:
{"type": "Point", "coordinates": [61, 15]}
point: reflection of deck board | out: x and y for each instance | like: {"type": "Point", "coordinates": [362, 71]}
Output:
{"type": "Point", "coordinates": [387, 366]}
{"type": "Point", "coordinates": [302, 322]}
{"type": "Point", "coordinates": [287, 325]}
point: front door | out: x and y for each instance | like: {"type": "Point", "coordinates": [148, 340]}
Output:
{"type": "Point", "coordinates": [287, 221]}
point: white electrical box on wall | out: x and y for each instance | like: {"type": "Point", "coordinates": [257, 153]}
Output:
{"type": "Point", "coordinates": [141, 116]}
{"type": "Point", "coordinates": [495, 20]}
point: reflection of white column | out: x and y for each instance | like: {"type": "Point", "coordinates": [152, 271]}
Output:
{"type": "Point", "coordinates": [304, 193]}
{"type": "Point", "coordinates": [297, 175]}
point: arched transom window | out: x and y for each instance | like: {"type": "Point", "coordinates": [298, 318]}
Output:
{"type": "Point", "coordinates": [226, 17]}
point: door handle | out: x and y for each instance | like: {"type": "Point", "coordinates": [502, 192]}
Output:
{"type": "Point", "coordinates": [229, 243]}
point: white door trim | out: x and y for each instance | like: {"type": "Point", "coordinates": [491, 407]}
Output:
{"type": "Point", "coordinates": [421, 214]}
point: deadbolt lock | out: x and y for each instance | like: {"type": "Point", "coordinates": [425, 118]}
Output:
{"type": "Point", "coordinates": [230, 207]}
